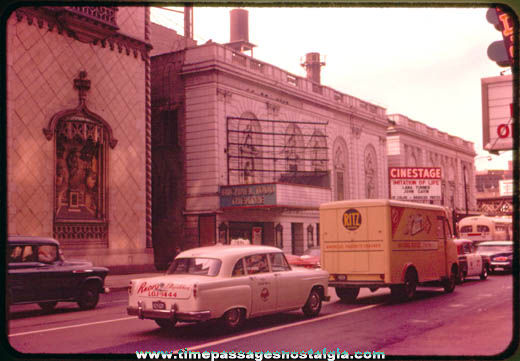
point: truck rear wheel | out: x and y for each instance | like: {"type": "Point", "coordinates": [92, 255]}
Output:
{"type": "Point", "coordinates": [346, 294]}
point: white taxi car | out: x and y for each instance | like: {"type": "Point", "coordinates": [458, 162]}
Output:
{"type": "Point", "coordinates": [231, 283]}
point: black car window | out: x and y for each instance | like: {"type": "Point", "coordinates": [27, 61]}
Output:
{"type": "Point", "coordinates": [15, 254]}
{"type": "Point", "coordinates": [28, 254]}
{"type": "Point", "coordinates": [47, 253]}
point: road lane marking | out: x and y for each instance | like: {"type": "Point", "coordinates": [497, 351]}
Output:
{"type": "Point", "coordinates": [277, 328]}
{"type": "Point", "coordinates": [209, 344]}
{"type": "Point", "coordinates": [72, 326]}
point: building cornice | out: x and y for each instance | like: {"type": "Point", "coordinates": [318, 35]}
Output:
{"type": "Point", "coordinates": [397, 130]}
{"type": "Point", "coordinates": [83, 28]}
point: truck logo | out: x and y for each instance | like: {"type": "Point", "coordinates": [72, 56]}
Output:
{"type": "Point", "coordinates": [352, 219]}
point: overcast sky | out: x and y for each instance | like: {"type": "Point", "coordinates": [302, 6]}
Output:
{"type": "Point", "coordinates": [424, 63]}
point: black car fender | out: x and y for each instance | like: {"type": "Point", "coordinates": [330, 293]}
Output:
{"type": "Point", "coordinates": [94, 279]}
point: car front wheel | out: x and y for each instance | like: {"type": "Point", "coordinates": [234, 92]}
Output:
{"type": "Point", "coordinates": [312, 307]}
{"type": "Point", "coordinates": [484, 273]}
{"type": "Point", "coordinates": [89, 296]}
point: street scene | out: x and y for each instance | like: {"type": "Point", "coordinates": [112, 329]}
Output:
{"type": "Point", "coordinates": [435, 324]}
{"type": "Point", "coordinates": [201, 179]}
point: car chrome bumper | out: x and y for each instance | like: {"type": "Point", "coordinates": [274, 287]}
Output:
{"type": "Point", "coordinates": [171, 314]}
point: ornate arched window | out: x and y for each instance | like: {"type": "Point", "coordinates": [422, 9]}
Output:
{"type": "Point", "coordinates": [250, 149]}
{"type": "Point", "coordinates": [340, 162]}
{"type": "Point", "coordinates": [370, 172]}
{"type": "Point", "coordinates": [294, 149]}
{"type": "Point", "coordinates": [82, 139]}
{"type": "Point", "coordinates": [318, 151]}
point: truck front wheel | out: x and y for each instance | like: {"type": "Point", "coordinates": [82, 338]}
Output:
{"type": "Point", "coordinates": [406, 291]}
{"type": "Point", "coordinates": [347, 295]}
{"type": "Point", "coordinates": [449, 283]}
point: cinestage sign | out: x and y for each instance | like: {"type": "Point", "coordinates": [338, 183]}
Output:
{"type": "Point", "coordinates": [415, 183]}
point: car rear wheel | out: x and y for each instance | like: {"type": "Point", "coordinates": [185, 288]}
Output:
{"type": "Point", "coordinates": [165, 324]}
{"type": "Point", "coordinates": [347, 294]}
{"type": "Point", "coordinates": [89, 296]}
{"type": "Point", "coordinates": [484, 273]}
{"type": "Point", "coordinates": [312, 307]}
{"type": "Point", "coordinates": [47, 306]}
{"type": "Point", "coordinates": [233, 319]}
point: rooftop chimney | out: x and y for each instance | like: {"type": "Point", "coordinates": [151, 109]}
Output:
{"type": "Point", "coordinates": [313, 64]}
{"type": "Point", "coordinates": [239, 31]}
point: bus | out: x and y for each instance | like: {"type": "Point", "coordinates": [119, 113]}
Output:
{"type": "Point", "coordinates": [485, 228]}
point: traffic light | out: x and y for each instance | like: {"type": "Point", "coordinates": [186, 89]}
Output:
{"type": "Point", "coordinates": [501, 51]}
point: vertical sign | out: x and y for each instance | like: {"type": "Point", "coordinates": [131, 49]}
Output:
{"type": "Point", "coordinates": [497, 114]}
{"type": "Point", "coordinates": [506, 26]}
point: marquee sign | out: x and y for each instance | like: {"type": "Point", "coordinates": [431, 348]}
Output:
{"type": "Point", "coordinates": [415, 183]}
{"type": "Point", "coordinates": [248, 195]}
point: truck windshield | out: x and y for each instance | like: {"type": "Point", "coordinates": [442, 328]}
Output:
{"type": "Point", "coordinates": [195, 266]}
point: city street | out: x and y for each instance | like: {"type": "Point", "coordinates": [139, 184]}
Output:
{"type": "Point", "coordinates": [476, 319]}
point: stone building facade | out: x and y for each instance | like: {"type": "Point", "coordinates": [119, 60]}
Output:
{"type": "Point", "coordinates": [414, 144]}
{"type": "Point", "coordinates": [79, 130]}
{"type": "Point", "coordinates": [249, 150]}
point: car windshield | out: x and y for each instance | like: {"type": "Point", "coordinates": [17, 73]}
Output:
{"type": "Point", "coordinates": [195, 266]}
{"type": "Point", "coordinates": [494, 248]}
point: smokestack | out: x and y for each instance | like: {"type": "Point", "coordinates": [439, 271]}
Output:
{"type": "Point", "coordinates": [312, 65]}
{"type": "Point", "coordinates": [239, 31]}
{"type": "Point", "coordinates": [239, 25]}
{"type": "Point", "coordinates": [188, 22]}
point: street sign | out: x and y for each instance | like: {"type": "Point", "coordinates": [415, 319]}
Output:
{"type": "Point", "coordinates": [497, 113]}
{"type": "Point", "coordinates": [415, 183]}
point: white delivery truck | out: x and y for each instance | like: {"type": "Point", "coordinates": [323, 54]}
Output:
{"type": "Point", "coordinates": [378, 243]}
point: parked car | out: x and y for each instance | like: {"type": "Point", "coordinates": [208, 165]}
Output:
{"type": "Point", "coordinates": [226, 282]}
{"type": "Point", "coordinates": [37, 272]}
{"type": "Point", "coordinates": [471, 263]}
{"type": "Point", "coordinates": [309, 259]}
{"type": "Point", "coordinates": [500, 254]}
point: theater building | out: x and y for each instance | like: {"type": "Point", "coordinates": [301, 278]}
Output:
{"type": "Point", "coordinates": [244, 149]}
{"type": "Point", "coordinates": [78, 130]}
{"type": "Point", "coordinates": [415, 144]}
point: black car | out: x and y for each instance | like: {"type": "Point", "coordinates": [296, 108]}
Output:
{"type": "Point", "coordinates": [38, 273]}
{"type": "Point", "coordinates": [500, 254]}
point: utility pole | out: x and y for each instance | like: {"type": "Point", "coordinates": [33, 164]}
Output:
{"type": "Point", "coordinates": [465, 187]}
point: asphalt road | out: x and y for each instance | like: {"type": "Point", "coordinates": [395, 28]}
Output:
{"type": "Point", "coordinates": [475, 320]}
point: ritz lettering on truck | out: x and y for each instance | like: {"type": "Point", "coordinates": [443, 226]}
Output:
{"type": "Point", "coordinates": [376, 243]}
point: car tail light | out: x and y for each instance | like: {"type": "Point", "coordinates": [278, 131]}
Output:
{"type": "Point", "coordinates": [500, 259]}
{"type": "Point", "coordinates": [195, 290]}
{"type": "Point", "coordinates": [130, 288]}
